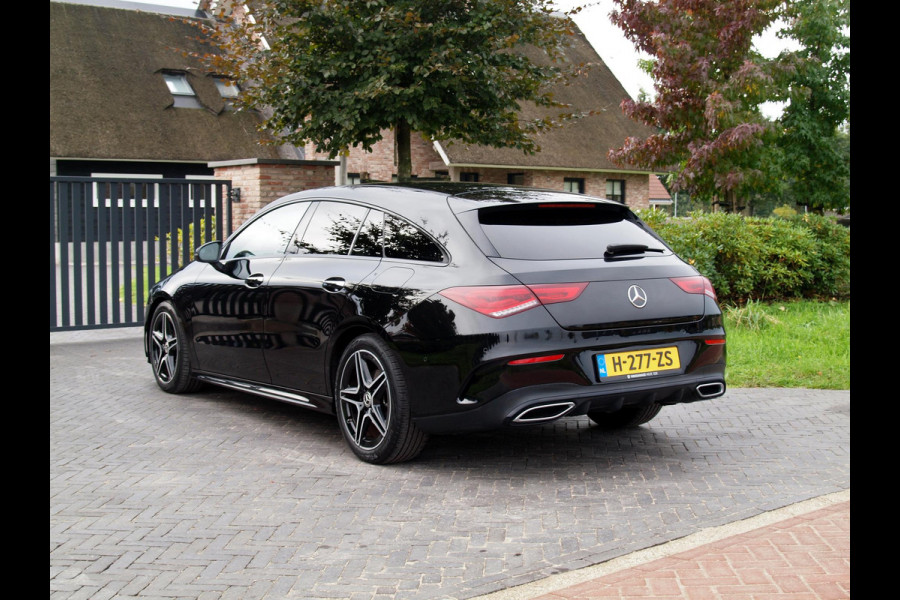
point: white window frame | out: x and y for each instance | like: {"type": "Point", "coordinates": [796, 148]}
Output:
{"type": "Point", "coordinates": [181, 90]}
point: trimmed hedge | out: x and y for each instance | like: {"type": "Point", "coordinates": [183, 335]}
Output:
{"type": "Point", "coordinates": [752, 258]}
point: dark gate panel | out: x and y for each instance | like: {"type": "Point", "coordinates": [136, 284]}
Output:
{"type": "Point", "coordinates": [112, 238]}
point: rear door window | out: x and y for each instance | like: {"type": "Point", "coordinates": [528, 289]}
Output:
{"type": "Point", "coordinates": [406, 241]}
{"type": "Point", "coordinates": [368, 239]}
{"type": "Point", "coordinates": [332, 228]}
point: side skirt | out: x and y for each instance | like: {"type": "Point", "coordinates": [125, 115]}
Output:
{"type": "Point", "coordinates": [322, 405]}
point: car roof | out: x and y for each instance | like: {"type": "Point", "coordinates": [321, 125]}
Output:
{"type": "Point", "coordinates": [467, 196]}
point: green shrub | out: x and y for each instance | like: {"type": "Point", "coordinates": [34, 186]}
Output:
{"type": "Point", "coordinates": [784, 211]}
{"type": "Point", "coordinates": [831, 262]}
{"type": "Point", "coordinates": [192, 244]}
{"type": "Point", "coordinates": [805, 256]}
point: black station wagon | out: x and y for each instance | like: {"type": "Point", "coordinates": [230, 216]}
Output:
{"type": "Point", "coordinates": [409, 310]}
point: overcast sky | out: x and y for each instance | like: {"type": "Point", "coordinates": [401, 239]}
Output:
{"type": "Point", "coordinates": [616, 51]}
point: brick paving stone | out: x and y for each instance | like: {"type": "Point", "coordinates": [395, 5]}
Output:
{"type": "Point", "coordinates": [222, 495]}
{"type": "Point", "coordinates": [728, 570]}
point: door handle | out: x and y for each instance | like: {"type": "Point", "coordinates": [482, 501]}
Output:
{"type": "Point", "coordinates": [334, 284]}
{"type": "Point", "coordinates": [254, 281]}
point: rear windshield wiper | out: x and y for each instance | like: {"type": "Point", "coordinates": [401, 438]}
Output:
{"type": "Point", "coordinates": [626, 249]}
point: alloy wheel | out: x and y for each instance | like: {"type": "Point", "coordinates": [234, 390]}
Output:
{"type": "Point", "coordinates": [165, 347]}
{"type": "Point", "coordinates": [365, 399]}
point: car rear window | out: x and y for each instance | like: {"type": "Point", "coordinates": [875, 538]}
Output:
{"type": "Point", "coordinates": [559, 230]}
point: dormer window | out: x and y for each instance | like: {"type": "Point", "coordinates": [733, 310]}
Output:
{"type": "Point", "coordinates": [227, 88]}
{"type": "Point", "coordinates": [181, 90]}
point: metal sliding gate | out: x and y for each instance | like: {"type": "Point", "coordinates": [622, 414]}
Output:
{"type": "Point", "coordinates": [111, 239]}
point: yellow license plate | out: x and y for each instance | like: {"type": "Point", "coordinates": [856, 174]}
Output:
{"type": "Point", "coordinates": [642, 363]}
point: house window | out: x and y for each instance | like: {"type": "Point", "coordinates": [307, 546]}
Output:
{"type": "Point", "coordinates": [354, 179]}
{"type": "Point", "coordinates": [181, 90]}
{"type": "Point", "coordinates": [473, 177]}
{"type": "Point", "coordinates": [227, 88]}
{"type": "Point", "coordinates": [615, 190]}
{"type": "Point", "coordinates": [574, 185]}
{"type": "Point", "coordinates": [515, 178]}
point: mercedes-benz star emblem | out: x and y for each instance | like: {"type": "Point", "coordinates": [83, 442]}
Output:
{"type": "Point", "coordinates": [637, 296]}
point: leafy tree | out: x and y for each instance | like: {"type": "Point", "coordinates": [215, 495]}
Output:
{"type": "Point", "coordinates": [339, 72]}
{"type": "Point", "coordinates": [816, 161]}
{"type": "Point", "coordinates": [709, 84]}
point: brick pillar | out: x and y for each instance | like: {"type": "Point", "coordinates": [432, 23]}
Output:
{"type": "Point", "coordinates": [261, 181]}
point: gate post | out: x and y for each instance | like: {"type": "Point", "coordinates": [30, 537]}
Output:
{"type": "Point", "coordinates": [262, 180]}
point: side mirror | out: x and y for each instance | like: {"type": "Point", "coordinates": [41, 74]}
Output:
{"type": "Point", "coordinates": [209, 252]}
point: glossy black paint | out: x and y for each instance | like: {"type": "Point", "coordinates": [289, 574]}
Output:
{"type": "Point", "coordinates": [281, 322]}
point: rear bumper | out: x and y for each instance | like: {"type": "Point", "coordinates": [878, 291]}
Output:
{"type": "Point", "coordinates": [546, 403]}
{"type": "Point", "coordinates": [472, 378]}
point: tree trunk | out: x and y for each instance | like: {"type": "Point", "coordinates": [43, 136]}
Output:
{"type": "Point", "coordinates": [402, 148]}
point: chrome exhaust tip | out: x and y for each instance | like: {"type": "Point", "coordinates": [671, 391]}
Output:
{"type": "Point", "coordinates": [710, 390]}
{"type": "Point", "coordinates": [543, 413]}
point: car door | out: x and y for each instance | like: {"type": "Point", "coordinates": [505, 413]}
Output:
{"type": "Point", "coordinates": [230, 298]}
{"type": "Point", "coordinates": [312, 291]}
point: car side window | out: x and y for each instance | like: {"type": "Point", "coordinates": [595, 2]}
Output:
{"type": "Point", "coordinates": [269, 234]}
{"type": "Point", "coordinates": [332, 229]}
{"type": "Point", "coordinates": [368, 240]}
{"type": "Point", "coordinates": [406, 241]}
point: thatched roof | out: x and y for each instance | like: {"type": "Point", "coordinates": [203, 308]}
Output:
{"type": "Point", "coordinates": [108, 99]}
{"type": "Point", "coordinates": [579, 145]}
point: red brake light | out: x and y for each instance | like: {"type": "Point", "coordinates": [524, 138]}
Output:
{"type": "Point", "coordinates": [696, 284]}
{"type": "Point", "coordinates": [569, 205]}
{"type": "Point", "coordinates": [499, 301]}
{"type": "Point", "coordinates": [548, 293]}
{"type": "Point", "coordinates": [495, 301]}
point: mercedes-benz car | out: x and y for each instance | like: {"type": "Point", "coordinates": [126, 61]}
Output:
{"type": "Point", "coordinates": [409, 310]}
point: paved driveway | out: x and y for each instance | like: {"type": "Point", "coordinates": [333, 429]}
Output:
{"type": "Point", "coordinates": [225, 495]}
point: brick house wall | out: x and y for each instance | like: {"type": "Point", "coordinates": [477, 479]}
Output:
{"type": "Point", "coordinates": [637, 185]}
{"type": "Point", "coordinates": [261, 181]}
{"type": "Point", "coordinates": [381, 165]}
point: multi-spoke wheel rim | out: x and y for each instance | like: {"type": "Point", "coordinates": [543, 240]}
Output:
{"type": "Point", "coordinates": [164, 347]}
{"type": "Point", "coordinates": [365, 399]}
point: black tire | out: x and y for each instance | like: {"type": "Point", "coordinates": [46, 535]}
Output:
{"type": "Point", "coordinates": [169, 354]}
{"type": "Point", "coordinates": [630, 416]}
{"type": "Point", "coordinates": [372, 404]}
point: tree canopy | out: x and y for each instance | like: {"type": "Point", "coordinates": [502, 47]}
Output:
{"type": "Point", "coordinates": [338, 73]}
{"type": "Point", "coordinates": [709, 86]}
{"type": "Point", "coordinates": [814, 147]}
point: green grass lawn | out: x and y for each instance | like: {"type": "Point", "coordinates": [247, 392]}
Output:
{"type": "Point", "coordinates": [134, 286]}
{"type": "Point", "coordinates": [789, 344]}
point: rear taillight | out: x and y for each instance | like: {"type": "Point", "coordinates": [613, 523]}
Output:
{"type": "Point", "coordinates": [550, 293]}
{"type": "Point", "coordinates": [696, 284]}
{"type": "Point", "coordinates": [499, 301]}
